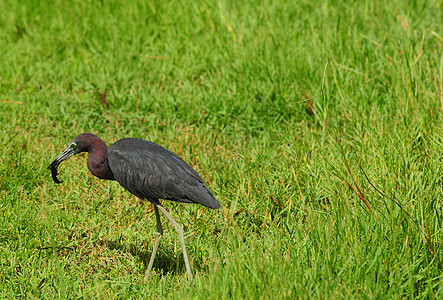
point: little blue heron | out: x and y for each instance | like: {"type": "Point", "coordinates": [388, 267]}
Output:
{"type": "Point", "coordinates": [146, 170]}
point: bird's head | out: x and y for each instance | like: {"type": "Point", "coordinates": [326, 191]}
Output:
{"type": "Point", "coordinates": [79, 144]}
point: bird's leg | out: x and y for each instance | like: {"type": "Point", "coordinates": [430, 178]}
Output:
{"type": "Point", "coordinates": [182, 239]}
{"type": "Point", "coordinates": [156, 243]}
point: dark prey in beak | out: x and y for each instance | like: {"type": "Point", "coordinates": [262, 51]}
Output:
{"type": "Point", "coordinates": [54, 172]}
{"type": "Point", "coordinates": [70, 151]}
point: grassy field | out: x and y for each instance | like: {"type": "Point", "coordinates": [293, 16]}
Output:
{"type": "Point", "coordinates": [318, 126]}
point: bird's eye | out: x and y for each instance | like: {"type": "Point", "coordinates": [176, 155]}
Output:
{"type": "Point", "coordinates": [73, 146]}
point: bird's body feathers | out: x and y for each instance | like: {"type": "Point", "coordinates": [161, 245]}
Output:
{"type": "Point", "coordinates": [152, 172]}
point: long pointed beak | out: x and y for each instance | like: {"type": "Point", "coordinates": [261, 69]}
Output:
{"type": "Point", "coordinates": [70, 151]}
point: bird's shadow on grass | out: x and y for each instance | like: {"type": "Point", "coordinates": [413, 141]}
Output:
{"type": "Point", "coordinates": [164, 263]}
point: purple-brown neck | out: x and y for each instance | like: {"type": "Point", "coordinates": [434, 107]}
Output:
{"type": "Point", "coordinates": [98, 155]}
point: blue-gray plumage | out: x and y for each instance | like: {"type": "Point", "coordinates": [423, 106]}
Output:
{"type": "Point", "coordinates": [146, 170]}
{"type": "Point", "coordinates": [152, 172]}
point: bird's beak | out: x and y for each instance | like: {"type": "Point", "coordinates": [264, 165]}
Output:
{"type": "Point", "coordinates": [70, 151]}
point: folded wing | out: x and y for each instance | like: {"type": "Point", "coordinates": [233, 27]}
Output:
{"type": "Point", "coordinates": [152, 172]}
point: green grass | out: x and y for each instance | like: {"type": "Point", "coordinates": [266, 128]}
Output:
{"type": "Point", "coordinates": [259, 97]}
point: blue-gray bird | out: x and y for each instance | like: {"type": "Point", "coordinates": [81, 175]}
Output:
{"type": "Point", "coordinates": [146, 170]}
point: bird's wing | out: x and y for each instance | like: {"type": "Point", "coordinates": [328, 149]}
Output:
{"type": "Point", "coordinates": [152, 172]}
